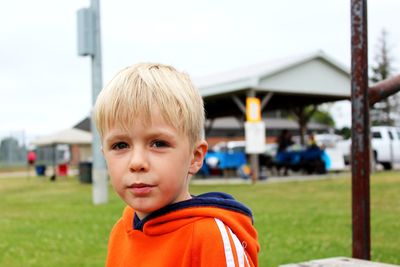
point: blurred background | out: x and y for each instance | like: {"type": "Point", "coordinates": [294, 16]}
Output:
{"type": "Point", "coordinates": [45, 87]}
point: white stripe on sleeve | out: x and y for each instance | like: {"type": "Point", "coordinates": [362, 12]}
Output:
{"type": "Point", "coordinates": [239, 248]}
{"type": "Point", "coordinates": [230, 262]}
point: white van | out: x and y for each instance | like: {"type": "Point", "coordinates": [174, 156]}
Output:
{"type": "Point", "coordinates": [385, 143]}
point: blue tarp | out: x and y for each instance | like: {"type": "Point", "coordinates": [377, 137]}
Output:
{"type": "Point", "coordinates": [307, 155]}
{"type": "Point", "coordinates": [228, 159]}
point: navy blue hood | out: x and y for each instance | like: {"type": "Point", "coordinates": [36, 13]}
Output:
{"type": "Point", "coordinates": [211, 199]}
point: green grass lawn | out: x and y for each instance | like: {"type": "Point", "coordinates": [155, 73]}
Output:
{"type": "Point", "coordinates": [55, 224]}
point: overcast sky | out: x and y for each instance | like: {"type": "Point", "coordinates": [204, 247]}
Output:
{"type": "Point", "coordinates": [45, 86]}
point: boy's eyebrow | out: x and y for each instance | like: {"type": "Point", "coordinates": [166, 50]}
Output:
{"type": "Point", "coordinates": [112, 135]}
{"type": "Point", "coordinates": [162, 133]}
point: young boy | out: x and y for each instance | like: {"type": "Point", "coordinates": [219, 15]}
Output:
{"type": "Point", "coordinates": [150, 119]}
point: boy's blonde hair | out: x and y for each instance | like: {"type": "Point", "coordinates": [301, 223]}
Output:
{"type": "Point", "coordinates": [135, 91]}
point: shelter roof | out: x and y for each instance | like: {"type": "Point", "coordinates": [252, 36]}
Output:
{"type": "Point", "coordinates": [291, 82]}
{"type": "Point", "coordinates": [68, 136]}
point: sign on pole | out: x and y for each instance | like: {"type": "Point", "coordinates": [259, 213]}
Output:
{"type": "Point", "coordinates": [255, 137]}
{"type": "Point", "coordinates": [253, 109]}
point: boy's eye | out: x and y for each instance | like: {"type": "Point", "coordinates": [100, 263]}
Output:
{"type": "Point", "coordinates": [159, 143]}
{"type": "Point", "coordinates": [119, 145]}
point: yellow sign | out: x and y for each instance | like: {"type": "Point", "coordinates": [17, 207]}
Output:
{"type": "Point", "coordinates": [253, 109]}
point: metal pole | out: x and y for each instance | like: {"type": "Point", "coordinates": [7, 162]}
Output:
{"type": "Point", "coordinates": [360, 131]}
{"type": "Point", "coordinates": [99, 171]}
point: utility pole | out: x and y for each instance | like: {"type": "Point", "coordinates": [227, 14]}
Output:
{"type": "Point", "coordinates": [89, 44]}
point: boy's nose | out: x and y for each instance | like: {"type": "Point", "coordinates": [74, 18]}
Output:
{"type": "Point", "coordinates": [138, 161]}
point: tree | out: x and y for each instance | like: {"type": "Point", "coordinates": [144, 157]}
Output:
{"type": "Point", "coordinates": [323, 117]}
{"type": "Point", "coordinates": [385, 111]}
{"type": "Point", "coordinates": [314, 113]}
{"type": "Point", "coordinates": [345, 132]}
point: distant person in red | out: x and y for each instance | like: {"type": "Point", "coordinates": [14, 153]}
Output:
{"type": "Point", "coordinates": [31, 156]}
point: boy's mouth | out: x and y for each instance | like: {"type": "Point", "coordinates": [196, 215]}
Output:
{"type": "Point", "coordinates": [139, 185]}
{"type": "Point", "coordinates": [140, 188]}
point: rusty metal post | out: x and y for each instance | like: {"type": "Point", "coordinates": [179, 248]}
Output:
{"type": "Point", "coordinates": [360, 148]}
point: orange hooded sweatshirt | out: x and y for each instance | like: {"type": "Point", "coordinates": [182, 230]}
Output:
{"type": "Point", "coordinates": [208, 230]}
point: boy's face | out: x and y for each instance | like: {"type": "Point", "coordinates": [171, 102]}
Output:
{"type": "Point", "coordinates": [150, 165]}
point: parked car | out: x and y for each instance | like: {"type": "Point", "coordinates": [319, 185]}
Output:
{"type": "Point", "coordinates": [385, 144]}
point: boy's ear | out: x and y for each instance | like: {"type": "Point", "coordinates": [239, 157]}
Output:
{"type": "Point", "coordinates": [199, 153]}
